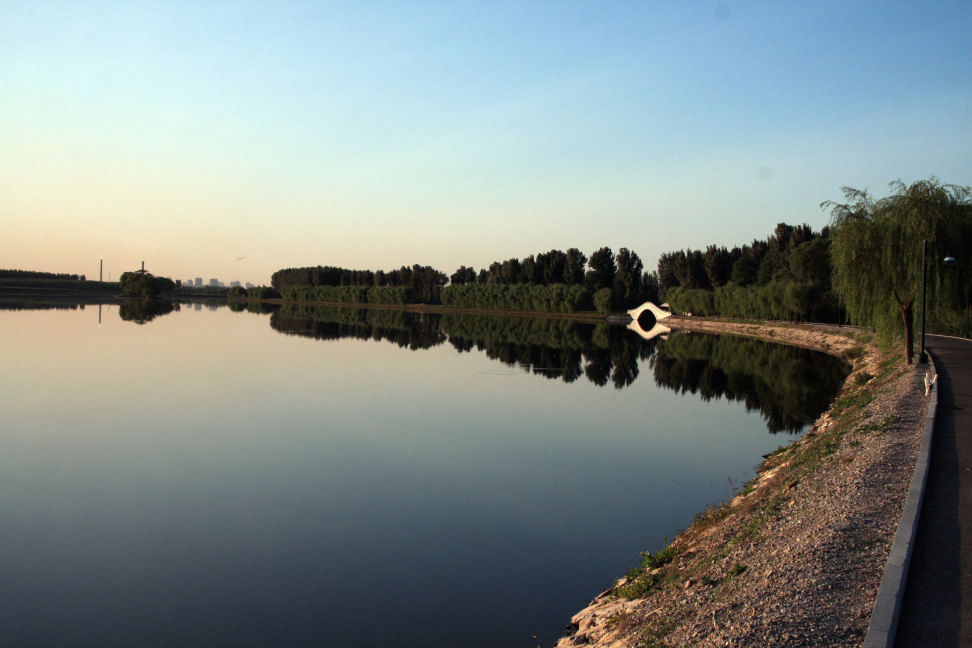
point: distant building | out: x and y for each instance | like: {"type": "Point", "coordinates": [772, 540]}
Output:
{"type": "Point", "coordinates": [214, 283]}
{"type": "Point", "coordinates": [199, 282]}
{"type": "Point", "coordinates": [233, 284]}
{"type": "Point", "coordinates": [249, 285]}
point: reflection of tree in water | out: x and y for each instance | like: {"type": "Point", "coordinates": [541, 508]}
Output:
{"type": "Point", "coordinates": [33, 305]}
{"type": "Point", "coordinates": [556, 349]}
{"type": "Point", "coordinates": [258, 307]}
{"type": "Point", "coordinates": [790, 386]}
{"type": "Point", "coordinates": [141, 311]}
{"type": "Point", "coordinates": [408, 330]}
{"type": "Point", "coordinates": [598, 368]}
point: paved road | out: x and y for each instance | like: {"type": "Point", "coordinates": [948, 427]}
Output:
{"type": "Point", "coordinates": [937, 604]}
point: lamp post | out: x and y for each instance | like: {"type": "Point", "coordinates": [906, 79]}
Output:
{"type": "Point", "coordinates": [922, 356]}
{"type": "Point", "coordinates": [949, 260]}
{"type": "Point", "coordinates": [966, 312]}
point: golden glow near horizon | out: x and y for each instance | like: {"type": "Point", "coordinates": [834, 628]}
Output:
{"type": "Point", "coordinates": [230, 140]}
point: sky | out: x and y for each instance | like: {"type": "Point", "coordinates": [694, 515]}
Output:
{"type": "Point", "coordinates": [233, 139]}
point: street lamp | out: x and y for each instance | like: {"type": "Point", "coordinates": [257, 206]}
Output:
{"type": "Point", "coordinates": [922, 356]}
{"type": "Point", "coordinates": [949, 260]}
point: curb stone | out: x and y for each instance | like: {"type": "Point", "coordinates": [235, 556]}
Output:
{"type": "Point", "coordinates": [883, 627]}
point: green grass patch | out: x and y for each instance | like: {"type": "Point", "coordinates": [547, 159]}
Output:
{"type": "Point", "coordinates": [711, 515]}
{"type": "Point", "coordinates": [854, 352]}
{"type": "Point", "coordinates": [862, 378]}
{"type": "Point", "coordinates": [640, 585]}
{"type": "Point", "coordinates": [752, 528]}
{"type": "Point", "coordinates": [737, 571]}
{"type": "Point", "coordinates": [890, 365]}
{"type": "Point", "coordinates": [655, 635]}
{"type": "Point", "coordinates": [857, 400]}
{"type": "Point", "coordinates": [660, 558]}
{"type": "Point", "coordinates": [651, 575]}
{"type": "Point", "coordinates": [734, 573]}
{"type": "Point", "coordinates": [890, 422]}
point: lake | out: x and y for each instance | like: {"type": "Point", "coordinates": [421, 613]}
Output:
{"type": "Point", "coordinates": [342, 477]}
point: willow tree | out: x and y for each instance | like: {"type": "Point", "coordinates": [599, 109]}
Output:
{"type": "Point", "coordinates": [878, 251]}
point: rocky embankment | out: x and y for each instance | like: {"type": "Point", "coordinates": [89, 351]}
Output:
{"type": "Point", "coordinates": [797, 557]}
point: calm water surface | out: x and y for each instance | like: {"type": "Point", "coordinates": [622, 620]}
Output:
{"type": "Point", "coordinates": [206, 480]}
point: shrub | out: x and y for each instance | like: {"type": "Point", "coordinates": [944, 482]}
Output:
{"type": "Point", "coordinates": [603, 301]}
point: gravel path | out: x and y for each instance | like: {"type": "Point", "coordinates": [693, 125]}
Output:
{"type": "Point", "coordinates": [797, 559]}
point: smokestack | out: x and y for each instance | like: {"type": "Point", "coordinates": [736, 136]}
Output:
{"type": "Point", "coordinates": [101, 268]}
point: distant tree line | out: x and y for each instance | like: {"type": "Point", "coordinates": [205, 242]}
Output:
{"type": "Point", "coordinates": [554, 281]}
{"type": "Point", "coordinates": [785, 276]}
{"type": "Point", "coordinates": [31, 274]}
{"type": "Point", "coordinates": [418, 284]}
{"type": "Point", "coordinates": [253, 292]}
{"type": "Point", "coordinates": [555, 298]}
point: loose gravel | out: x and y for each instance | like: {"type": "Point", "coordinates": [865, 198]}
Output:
{"type": "Point", "coordinates": [797, 558]}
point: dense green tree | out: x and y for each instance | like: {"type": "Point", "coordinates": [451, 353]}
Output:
{"type": "Point", "coordinates": [773, 266]}
{"type": "Point", "coordinates": [529, 272]}
{"type": "Point", "coordinates": [463, 276]}
{"type": "Point", "coordinates": [510, 271]}
{"type": "Point", "coordinates": [144, 283]}
{"type": "Point", "coordinates": [667, 272]}
{"type": "Point", "coordinates": [552, 267]}
{"type": "Point", "coordinates": [878, 251]}
{"type": "Point", "coordinates": [810, 261]}
{"type": "Point", "coordinates": [628, 288]}
{"type": "Point", "coordinates": [692, 274]}
{"type": "Point", "coordinates": [603, 301]}
{"type": "Point", "coordinates": [574, 263]}
{"type": "Point", "coordinates": [744, 270]}
{"type": "Point", "coordinates": [718, 265]}
{"type": "Point", "coordinates": [652, 289]}
{"type": "Point", "coordinates": [603, 269]}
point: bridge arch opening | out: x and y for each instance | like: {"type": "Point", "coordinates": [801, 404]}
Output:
{"type": "Point", "coordinates": [647, 320]}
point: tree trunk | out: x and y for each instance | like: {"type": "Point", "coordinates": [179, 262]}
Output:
{"type": "Point", "coordinates": [908, 316]}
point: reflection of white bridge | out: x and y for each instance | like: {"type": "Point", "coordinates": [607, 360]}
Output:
{"type": "Point", "coordinates": [657, 313]}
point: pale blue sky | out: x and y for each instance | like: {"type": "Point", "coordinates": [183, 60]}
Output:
{"type": "Point", "coordinates": [377, 134]}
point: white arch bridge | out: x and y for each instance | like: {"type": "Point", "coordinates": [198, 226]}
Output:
{"type": "Point", "coordinates": [646, 320]}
